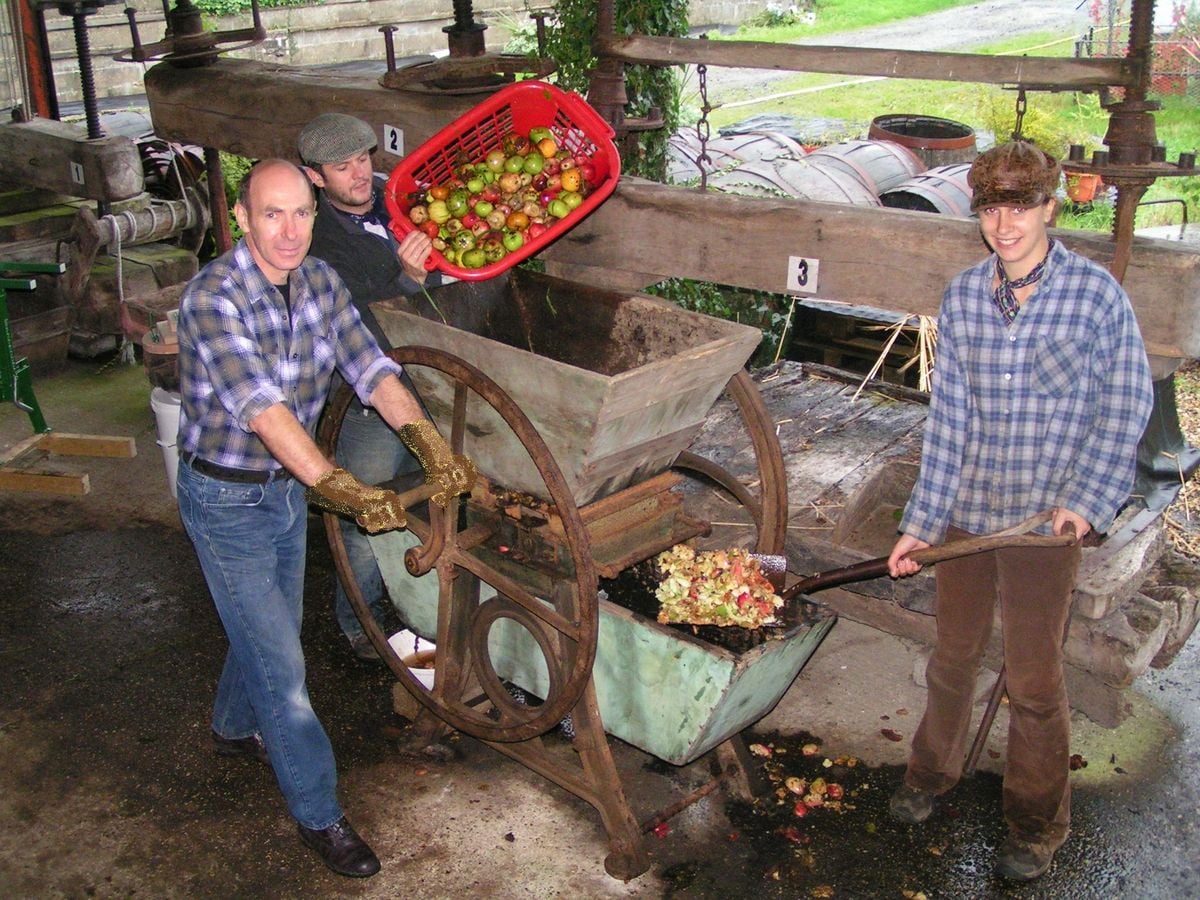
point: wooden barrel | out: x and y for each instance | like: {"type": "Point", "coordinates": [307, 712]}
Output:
{"type": "Point", "coordinates": [942, 189]}
{"type": "Point", "coordinates": [807, 179]}
{"type": "Point", "coordinates": [725, 152]}
{"type": "Point", "coordinates": [881, 164]}
{"type": "Point", "coordinates": [683, 157]}
{"type": "Point", "coordinates": [759, 145]}
{"type": "Point", "coordinates": [939, 142]}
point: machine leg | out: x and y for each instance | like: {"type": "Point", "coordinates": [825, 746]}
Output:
{"type": "Point", "coordinates": [627, 858]}
{"type": "Point", "coordinates": [16, 381]}
{"type": "Point", "coordinates": [743, 777]}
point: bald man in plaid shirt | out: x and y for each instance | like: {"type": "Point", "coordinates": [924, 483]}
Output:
{"type": "Point", "coordinates": [262, 329]}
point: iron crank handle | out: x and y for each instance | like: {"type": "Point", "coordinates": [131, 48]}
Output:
{"type": "Point", "coordinates": [1016, 536]}
{"type": "Point", "coordinates": [419, 494]}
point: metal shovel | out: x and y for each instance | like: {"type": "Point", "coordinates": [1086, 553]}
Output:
{"type": "Point", "coordinates": [1017, 536]}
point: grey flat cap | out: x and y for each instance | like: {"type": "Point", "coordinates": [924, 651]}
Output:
{"type": "Point", "coordinates": [333, 137]}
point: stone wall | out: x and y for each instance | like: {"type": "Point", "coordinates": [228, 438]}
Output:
{"type": "Point", "coordinates": [335, 31]}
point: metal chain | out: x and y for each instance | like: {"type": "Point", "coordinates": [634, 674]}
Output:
{"type": "Point", "coordinates": [1016, 135]}
{"type": "Point", "coordinates": [703, 129]}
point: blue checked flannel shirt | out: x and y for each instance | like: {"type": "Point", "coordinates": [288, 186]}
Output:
{"type": "Point", "coordinates": [239, 354]}
{"type": "Point", "coordinates": [1046, 412]}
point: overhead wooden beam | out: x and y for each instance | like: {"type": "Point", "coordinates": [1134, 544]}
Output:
{"type": "Point", "coordinates": [1027, 71]}
{"type": "Point", "coordinates": [257, 110]}
{"type": "Point", "coordinates": [886, 258]}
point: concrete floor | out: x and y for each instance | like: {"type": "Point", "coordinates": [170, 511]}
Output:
{"type": "Point", "coordinates": [110, 651]}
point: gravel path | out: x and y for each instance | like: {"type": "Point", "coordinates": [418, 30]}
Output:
{"type": "Point", "coordinates": [961, 28]}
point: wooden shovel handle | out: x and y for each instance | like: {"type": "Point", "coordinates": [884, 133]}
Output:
{"type": "Point", "coordinates": [1016, 536]}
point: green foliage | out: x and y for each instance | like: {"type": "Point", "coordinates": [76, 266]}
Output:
{"type": "Point", "coordinates": [1044, 127]}
{"type": "Point", "coordinates": [698, 296]}
{"type": "Point", "coordinates": [763, 310]}
{"type": "Point", "coordinates": [522, 34]}
{"type": "Point", "coordinates": [774, 16]}
{"type": "Point", "coordinates": [233, 7]}
{"type": "Point", "coordinates": [233, 169]}
{"type": "Point", "coordinates": [1096, 216]}
{"type": "Point", "coordinates": [569, 40]}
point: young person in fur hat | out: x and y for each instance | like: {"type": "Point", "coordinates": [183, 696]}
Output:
{"type": "Point", "coordinates": [1041, 391]}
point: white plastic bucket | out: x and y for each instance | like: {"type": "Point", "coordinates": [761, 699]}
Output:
{"type": "Point", "coordinates": [166, 412]}
{"type": "Point", "coordinates": [407, 645]}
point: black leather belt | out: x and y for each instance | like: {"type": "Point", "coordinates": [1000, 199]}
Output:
{"type": "Point", "coordinates": [238, 476]}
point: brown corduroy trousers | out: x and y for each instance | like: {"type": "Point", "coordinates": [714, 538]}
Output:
{"type": "Point", "coordinates": [1033, 586]}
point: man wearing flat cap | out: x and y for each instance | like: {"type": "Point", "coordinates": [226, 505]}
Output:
{"type": "Point", "coordinates": [351, 233]}
{"type": "Point", "coordinates": [1041, 391]}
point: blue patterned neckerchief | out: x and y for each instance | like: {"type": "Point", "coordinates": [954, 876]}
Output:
{"type": "Point", "coordinates": [1005, 297]}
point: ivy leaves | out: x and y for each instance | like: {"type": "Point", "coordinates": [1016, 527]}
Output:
{"type": "Point", "coordinates": [569, 38]}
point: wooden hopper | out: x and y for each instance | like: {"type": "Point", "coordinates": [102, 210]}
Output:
{"type": "Point", "coordinates": [617, 384]}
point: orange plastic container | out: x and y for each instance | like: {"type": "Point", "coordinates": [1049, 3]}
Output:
{"type": "Point", "coordinates": [1082, 186]}
{"type": "Point", "coordinates": [519, 107]}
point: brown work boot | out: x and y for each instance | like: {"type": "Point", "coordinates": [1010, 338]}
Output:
{"type": "Point", "coordinates": [1021, 860]}
{"type": "Point", "coordinates": [910, 805]}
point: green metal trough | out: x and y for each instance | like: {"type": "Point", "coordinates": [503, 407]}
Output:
{"type": "Point", "coordinates": [659, 689]}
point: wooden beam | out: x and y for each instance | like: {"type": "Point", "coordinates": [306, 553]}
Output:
{"type": "Point", "coordinates": [72, 485]}
{"type": "Point", "coordinates": [98, 445]}
{"type": "Point", "coordinates": [257, 110]}
{"type": "Point", "coordinates": [887, 258]}
{"type": "Point", "coordinates": [18, 474]}
{"type": "Point", "coordinates": [19, 449]}
{"type": "Point", "coordinates": [1029, 71]}
{"type": "Point", "coordinates": [59, 157]}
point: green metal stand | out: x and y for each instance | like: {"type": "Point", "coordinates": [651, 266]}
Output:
{"type": "Point", "coordinates": [16, 382]}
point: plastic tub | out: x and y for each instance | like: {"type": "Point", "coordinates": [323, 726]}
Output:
{"type": "Point", "coordinates": [519, 107]}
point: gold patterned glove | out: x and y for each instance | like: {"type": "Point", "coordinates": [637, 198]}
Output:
{"type": "Point", "coordinates": [452, 472]}
{"type": "Point", "coordinates": [373, 508]}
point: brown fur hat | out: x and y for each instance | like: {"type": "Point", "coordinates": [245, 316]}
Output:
{"type": "Point", "coordinates": [1013, 174]}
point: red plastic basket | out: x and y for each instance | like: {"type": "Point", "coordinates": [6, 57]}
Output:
{"type": "Point", "coordinates": [519, 107]}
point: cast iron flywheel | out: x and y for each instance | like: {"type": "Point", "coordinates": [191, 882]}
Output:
{"type": "Point", "coordinates": [564, 625]}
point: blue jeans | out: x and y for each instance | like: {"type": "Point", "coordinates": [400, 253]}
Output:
{"type": "Point", "coordinates": [370, 451]}
{"type": "Point", "coordinates": [250, 539]}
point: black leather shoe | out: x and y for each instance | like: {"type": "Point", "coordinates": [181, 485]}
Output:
{"type": "Point", "coordinates": [340, 848]}
{"type": "Point", "coordinates": [251, 747]}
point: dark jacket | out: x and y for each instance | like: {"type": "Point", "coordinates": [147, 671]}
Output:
{"type": "Point", "coordinates": [366, 262]}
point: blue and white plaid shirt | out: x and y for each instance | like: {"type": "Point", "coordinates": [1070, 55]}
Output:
{"type": "Point", "coordinates": [239, 354]}
{"type": "Point", "coordinates": [1045, 412]}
